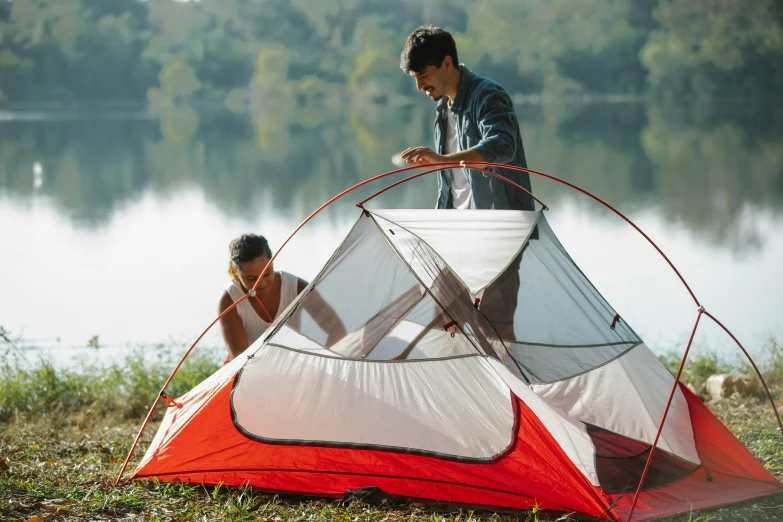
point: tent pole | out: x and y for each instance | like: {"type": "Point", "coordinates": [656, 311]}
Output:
{"type": "Point", "coordinates": [755, 368]}
{"type": "Point", "coordinates": [663, 419]}
{"type": "Point", "coordinates": [463, 165]}
{"type": "Point", "coordinates": [136, 440]}
{"type": "Point", "coordinates": [435, 167]}
{"type": "Point", "coordinates": [253, 293]}
{"type": "Point", "coordinates": [610, 207]}
{"type": "Point", "coordinates": [168, 381]}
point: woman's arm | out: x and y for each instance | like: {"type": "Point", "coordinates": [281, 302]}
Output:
{"type": "Point", "coordinates": [323, 315]}
{"type": "Point", "coordinates": [231, 327]}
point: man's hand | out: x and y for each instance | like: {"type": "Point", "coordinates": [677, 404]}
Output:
{"type": "Point", "coordinates": [421, 156]}
{"type": "Point", "coordinates": [426, 156]}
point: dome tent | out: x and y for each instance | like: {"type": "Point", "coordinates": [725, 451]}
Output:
{"type": "Point", "coordinates": [480, 367]}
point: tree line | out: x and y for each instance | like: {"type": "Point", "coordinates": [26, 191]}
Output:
{"type": "Point", "coordinates": [245, 53]}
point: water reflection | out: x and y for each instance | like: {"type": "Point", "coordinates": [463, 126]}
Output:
{"type": "Point", "coordinates": [152, 199]}
{"type": "Point", "coordinates": [703, 173]}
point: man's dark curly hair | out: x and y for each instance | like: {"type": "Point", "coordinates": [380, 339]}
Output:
{"type": "Point", "coordinates": [247, 247]}
{"type": "Point", "coordinates": [427, 46]}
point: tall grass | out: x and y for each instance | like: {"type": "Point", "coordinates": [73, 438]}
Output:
{"type": "Point", "coordinates": [126, 387]}
{"type": "Point", "coordinates": [701, 364]}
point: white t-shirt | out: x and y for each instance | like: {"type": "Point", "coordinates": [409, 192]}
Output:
{"type": "Point", "coordinates": [460, 184]}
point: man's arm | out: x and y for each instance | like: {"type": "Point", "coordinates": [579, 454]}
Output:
{"type": "Point", "coordinates": [426, 156]}
{"type": "Point", "coordinates": [497, 124]}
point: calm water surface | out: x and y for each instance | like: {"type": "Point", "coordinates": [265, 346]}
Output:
{"type": "Point", "coordinates": [122, 232]}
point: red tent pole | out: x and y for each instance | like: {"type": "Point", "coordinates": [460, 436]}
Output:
{"type": "Point", "coordinates": [464, 165]}
{"type": "Point", "coordinates": [763, 382]}
{"type": "Point", "coordinates": [252, 292]}
{"type": "Point", "coordinates": [434, 168]}
{"type": "Point", "coordinates": [168, 381]}
{"type": "Point", "coordinates": [663, 419]}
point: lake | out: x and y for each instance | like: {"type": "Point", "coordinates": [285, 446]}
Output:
{"type": "Point", "coordinates": [115, 223]}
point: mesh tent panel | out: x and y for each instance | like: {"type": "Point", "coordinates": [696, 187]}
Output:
{"type": "Point", "coordinates": [561, 325]}
{"type": "Point", "coordinates": [387, 294]}
{"type": "Point", "coordinates": [367, 295]}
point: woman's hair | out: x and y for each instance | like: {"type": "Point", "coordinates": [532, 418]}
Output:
{"type": "Point", "coordinates": [246, 247]}
{"type": "Point", "coordinates": [427, 46]}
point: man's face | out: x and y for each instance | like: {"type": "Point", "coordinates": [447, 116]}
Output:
{"type": "Point", "coordinates": [432, 79]}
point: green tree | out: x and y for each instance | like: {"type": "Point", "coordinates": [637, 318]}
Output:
{"type": "Point", "coordinates": [555, 47]}
{"type": "Point", "coordinates": [716, 47]}
{"type": "Point", "coordinates": [109, 50]}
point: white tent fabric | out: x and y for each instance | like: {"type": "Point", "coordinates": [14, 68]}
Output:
{"type": "Point", "coordinates": [368, 297]}
{"type": "Point", "coordinates": [478, 245]}
{"type": "Point", "coordinates": [569, 433]}
{"type": "Point", "coordinates": [391, 285]}
{"type": "Point", "coordinates": [631, 405]}
{"type": "Point", "coordinates": [465, 413]}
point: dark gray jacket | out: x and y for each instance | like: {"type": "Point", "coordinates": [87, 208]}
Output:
{"type": "Point", "coordinates": [487, 123]}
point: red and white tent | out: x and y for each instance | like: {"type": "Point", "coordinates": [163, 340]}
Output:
{"type": "Point", "coordinates": [480, 367]}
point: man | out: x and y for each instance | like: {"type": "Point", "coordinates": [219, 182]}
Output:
{"type": "Point", "coordinates": [475, 122]}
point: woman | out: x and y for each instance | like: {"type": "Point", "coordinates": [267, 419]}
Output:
{"type": "Point", "coordinates": [244, 324]}
{"type": "Point", "coordinates": [247, 321]}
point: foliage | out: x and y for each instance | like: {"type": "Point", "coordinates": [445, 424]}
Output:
{"type": "Point", "coordinates": [715, 47]}
{"type": "Point", "coordinates": [772, 363]}
{"type": "Point", "coordinates": [701, 364]}
{"type": "Point", "coordinates": [126, 387]}
{"type": "Point", "coordinates": [698, 367]}
{"type": "Point", "coordinates": [69, 51]}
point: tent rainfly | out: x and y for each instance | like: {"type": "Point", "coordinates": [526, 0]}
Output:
{"type": "Point", "coordinates": [480, 367]}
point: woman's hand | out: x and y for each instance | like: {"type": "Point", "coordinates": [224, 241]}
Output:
{"type": "Point", "coordinates": [336, 335]}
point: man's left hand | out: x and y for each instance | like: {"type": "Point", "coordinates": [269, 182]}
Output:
{"type": "Point", "coordinates": [421, 156]}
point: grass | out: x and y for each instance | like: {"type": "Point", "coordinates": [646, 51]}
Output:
{"type": "Point", "coordinates": [702, 364]}
{"type": "Point", "coordinates": [125, 389]}
{"type": "Point", "coordinates": [64, 434]}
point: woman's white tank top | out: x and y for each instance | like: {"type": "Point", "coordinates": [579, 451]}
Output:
{"type": "Point", "coordinates": [253, 323]}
